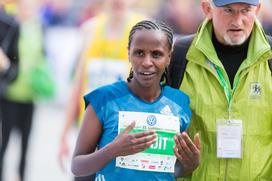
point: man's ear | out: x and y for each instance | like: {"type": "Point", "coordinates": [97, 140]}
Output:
{"type": "Point", "coordinates": [207, 8]}
{"type": "Point", "coordinates": [258, 9]}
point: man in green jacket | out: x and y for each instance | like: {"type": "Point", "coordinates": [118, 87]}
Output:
{"type": "Point", "coordinates": [230, 86]}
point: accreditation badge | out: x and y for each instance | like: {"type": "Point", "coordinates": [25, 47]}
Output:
{"type": "Point", "coordinates": [160, 156]}
{"type": "Point", "coordinates": [229, 138]}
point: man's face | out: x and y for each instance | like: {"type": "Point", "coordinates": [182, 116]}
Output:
{"type": "Point", "coordinates": [233, 23]}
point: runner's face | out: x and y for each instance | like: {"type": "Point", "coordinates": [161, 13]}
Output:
{"type": "Point", "coordinates": [149, 55]}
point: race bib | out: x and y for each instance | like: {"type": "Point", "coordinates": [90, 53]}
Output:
{"type": "Point", "coordinates": [158, 157]}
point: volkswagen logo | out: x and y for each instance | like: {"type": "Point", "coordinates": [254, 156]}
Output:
{"type": "Point", "coordinates": [151, 120]}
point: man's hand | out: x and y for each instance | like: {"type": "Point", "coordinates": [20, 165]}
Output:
{"type": "Point", "coordinates": [4, 61]}
{"type": "Point", "coordinates": [187, 152]}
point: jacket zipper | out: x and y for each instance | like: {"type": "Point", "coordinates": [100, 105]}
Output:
{"type": "Point", "coordinates": [226, 170]}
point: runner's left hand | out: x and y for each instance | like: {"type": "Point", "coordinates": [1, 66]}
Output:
{"type": "Point", "coordinates": [187, 152]}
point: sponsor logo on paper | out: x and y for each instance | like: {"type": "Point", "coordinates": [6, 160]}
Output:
{"type": "Point", "coordinates": [152, 167]}
{"type": "Point", "coordinates": [151, 120]}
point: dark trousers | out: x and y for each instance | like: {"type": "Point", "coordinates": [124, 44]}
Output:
{"type": "Point", "coordinates": [87, 178]}
{"type": "Point", "coordinates": [15, 115]}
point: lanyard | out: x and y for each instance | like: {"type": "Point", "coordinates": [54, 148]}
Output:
{"type": "Point", "coordinates": [227, 90]}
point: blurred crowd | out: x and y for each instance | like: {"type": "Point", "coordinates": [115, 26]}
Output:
{"type": "Point", "coordinates": [60, 35]}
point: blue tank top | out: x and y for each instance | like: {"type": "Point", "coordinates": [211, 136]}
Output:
{"type": "Point", "coordinates": [108, 100]}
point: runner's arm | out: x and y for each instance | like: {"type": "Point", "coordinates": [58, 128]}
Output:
{"type": "Point", "coordinates": [85, 161]}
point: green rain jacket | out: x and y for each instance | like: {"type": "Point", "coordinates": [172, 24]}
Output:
{"type": "Point", "coordinates": [31, 55]}
{"type": "Point", "coordinates": [250, 102]}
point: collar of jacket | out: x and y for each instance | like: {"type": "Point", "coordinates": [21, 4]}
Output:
{"type": "Point", "coordinates": [202, 45]}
